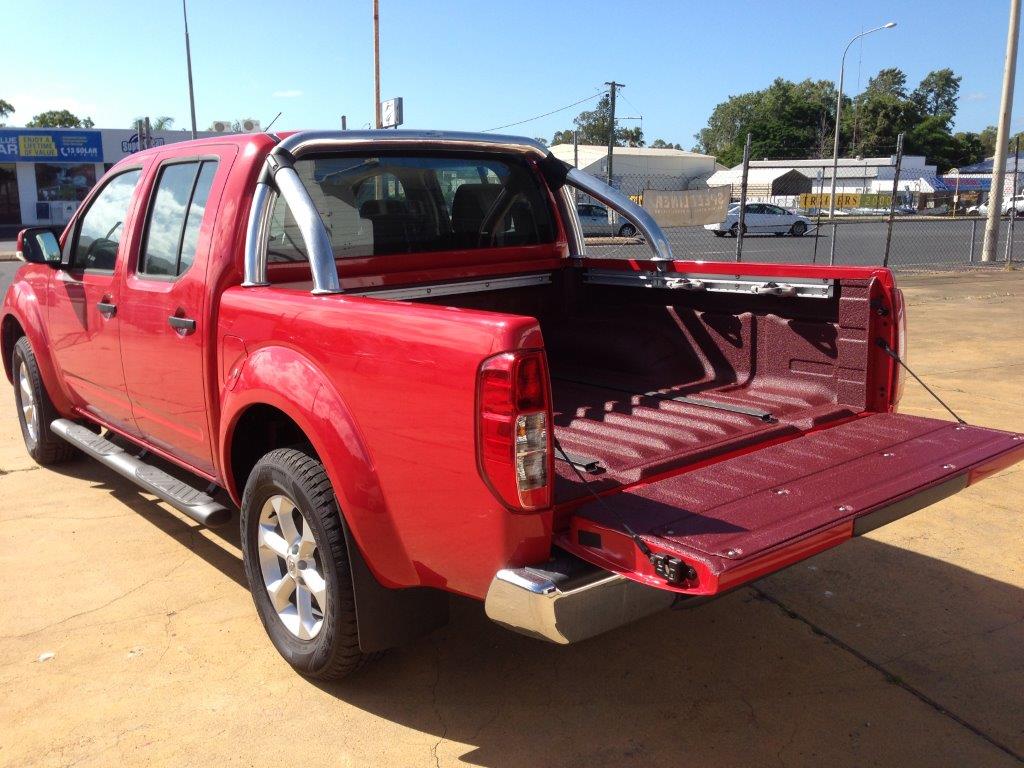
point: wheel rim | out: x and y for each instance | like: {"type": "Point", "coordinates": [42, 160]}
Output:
{"type": "Point", "coordinates": [29, 409]}
{"type": "Point", "coordinates": [628, 231]}
{"type": "Point", "coordinates": [292, 568]}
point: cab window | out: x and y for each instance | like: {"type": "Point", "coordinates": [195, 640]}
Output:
{"type": "Point", "coordinates": [102, 225]}
{"type": "Point", "coordinates": [172, 229]}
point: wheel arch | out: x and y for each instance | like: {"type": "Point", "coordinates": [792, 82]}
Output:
{"type": "Point", "coordinates": [281, 398]}
{"type": "Point", "coordinates": [10, 331]}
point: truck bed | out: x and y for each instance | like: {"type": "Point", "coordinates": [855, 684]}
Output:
{"type": "Point", "coordinates": [751, 369]}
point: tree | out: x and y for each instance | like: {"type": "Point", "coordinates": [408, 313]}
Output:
{"type": "Point", "coordinates": [5, 110]}
{"type": "Point", "coordinates": [662, 144]}
{"type": "Point", "coordinates": [59, 118]}
{"type": "Point", "coordinates": [937, 94]}
{"type": "Point", "coordinates": [892, 81]}
{"type": "Point", "coordinates": [968, 147]}
{"type": "Point", "coordinates": [786, 119]}
{"type": "Point", "coordinates": [988, 140]}
{"type": "Point", "coordinates": [541, 139]}
{"type": "Point", "coordinates": [592, 128]}
{"type": "Point", "coordinates": [163, 123]}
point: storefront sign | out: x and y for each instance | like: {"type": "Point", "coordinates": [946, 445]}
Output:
{"type": "Point", "coordinates": [56, 146]}
{"type": "Point", "coordinates": [687, 208]}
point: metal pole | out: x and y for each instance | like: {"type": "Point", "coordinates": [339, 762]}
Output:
{"type": "Point", "coordinates": [140, 127]}
{"type": "Point", "coordinates": [974, 239]}
{"type": "Point", "coordinates": [613, 88]}
{"type": "Point", "coordinates": [1013, 205]}
{"type": "Point", "coordinates": [832, 250]}
{"type": "Point", "coordinates": [839, 113]}
{"type": "Point", "coordinates": [344, 123]}
{"type": "Point", "coordinates": [995, 198]}
{"type": "Point", "coordinates": [892, 202]}
{"type": "Point", "coordinates": [741, 226]}
{"type": "Point", "coordinates": [188, 62]}
{"type": "Point", "coordinates": [376, 62]}
{"type": "Point", "coordinates": [817, 221]}
{"type": "Point", "coordinates": [575, 149]}
{"type": "Point", "coordinates": [956, 191]}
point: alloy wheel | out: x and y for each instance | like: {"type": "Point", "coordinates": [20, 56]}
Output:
{"type": "Point", "coordinates": [29, 409]}
{"type": "Point", "coordinates": [293, 572]}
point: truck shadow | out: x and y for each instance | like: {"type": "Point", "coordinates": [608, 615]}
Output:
{"type": "Point", "coordinates": [753, 678]}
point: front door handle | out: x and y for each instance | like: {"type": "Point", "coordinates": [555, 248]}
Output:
{"type": "Point", "coordinates": [184, 325]}
{"type": "Point", "coordinates": [106, 309]}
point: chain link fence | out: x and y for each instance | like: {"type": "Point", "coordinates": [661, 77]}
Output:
{"type": "Point", "coordinates": [892, 210]}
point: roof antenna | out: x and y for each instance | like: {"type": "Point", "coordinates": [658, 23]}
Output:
{"type": "Point", "coordinates": [267, 129]}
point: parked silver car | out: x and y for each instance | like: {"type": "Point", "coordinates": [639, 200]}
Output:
{"type": "Point", "coordinates": [595, 221]}
{"type": "Point", "coordinates": [761, 219]}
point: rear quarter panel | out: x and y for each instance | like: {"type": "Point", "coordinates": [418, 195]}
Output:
{"type": "Point", "coordinates": [386, 391]}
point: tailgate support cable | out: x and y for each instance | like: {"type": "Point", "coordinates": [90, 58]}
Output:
{"type": "Point", "coordinates": [672, 569]}
{"type": "Point", "coordinates": [884, 346]}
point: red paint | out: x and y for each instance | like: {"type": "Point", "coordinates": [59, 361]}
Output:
{"type": "Point", "coordinates": [386, 392]}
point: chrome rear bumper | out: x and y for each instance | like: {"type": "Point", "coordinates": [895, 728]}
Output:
{"type": "Point", "coordinates": [532, 604]}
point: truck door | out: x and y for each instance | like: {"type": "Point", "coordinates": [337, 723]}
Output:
{"type": "Point", "coordinates": [164, 329]}
{"type": "Point", "coordinates": [84, 300]}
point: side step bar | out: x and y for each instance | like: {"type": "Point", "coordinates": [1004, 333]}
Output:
{"type": "Point", "coordinates": [183, 497]}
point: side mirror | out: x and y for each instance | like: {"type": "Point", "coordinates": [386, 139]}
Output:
{"type": "Point", "coordinates": [38, 245]}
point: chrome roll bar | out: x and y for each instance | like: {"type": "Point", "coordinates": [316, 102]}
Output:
{"type": "Point", "coordinates": [636, 215]}
{"type": "Point", "coordinates": [280, 178]}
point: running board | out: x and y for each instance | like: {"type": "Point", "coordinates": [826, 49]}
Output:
{"type": "Point", "coordinates": [182, 496]}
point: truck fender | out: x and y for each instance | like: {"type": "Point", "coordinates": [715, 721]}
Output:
{"type": "Point", "coordinates": [390, 610]}
{"type": "Point", "coordinates": [22, 306]}
{"type": "Point", "coordinates": [287, 380]}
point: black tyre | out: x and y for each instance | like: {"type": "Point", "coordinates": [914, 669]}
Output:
{"type": "Point", "coordinates": [297, 564]}
{"type": "Point", "coordinates": [798, 229]}
{"type": "Point", "coordinates": [35, 409]}
{"type": "Point", "coordinates": [717, 233]}
{"type": "Point", "coordinates": [627, 230]}
{"type": "Point", "coordinates": [734, 230]}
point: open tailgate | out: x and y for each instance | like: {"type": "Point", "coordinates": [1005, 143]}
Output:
{"type": "Point", "coordinates": [750, 515]}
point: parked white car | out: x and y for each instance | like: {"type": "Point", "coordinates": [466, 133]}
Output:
{"type": "Point", "coordinates": [1017, 201]}
{"type": "Point", "coordinates": [595, 221]}
{"type": "Point", "coordinates": [761, 219]}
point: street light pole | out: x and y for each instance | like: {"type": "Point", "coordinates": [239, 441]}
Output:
{"type": "Point", "coordinates": [376, 62]}
{"type": "Point", "coordinates": [188, 61]}
{"type": "Point", "coordinates": [839, 112]}
{"type": "Point", "coordinates": [956, 190]}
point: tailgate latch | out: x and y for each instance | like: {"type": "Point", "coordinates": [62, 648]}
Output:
{"type": "Point", "coordinates": [672, 569]}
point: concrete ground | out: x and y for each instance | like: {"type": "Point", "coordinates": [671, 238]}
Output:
{"type": "Point", "coordinates": [902, 648]}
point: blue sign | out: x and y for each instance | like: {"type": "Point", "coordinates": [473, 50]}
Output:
{"type": "Point", "coordinates": [56, 146]}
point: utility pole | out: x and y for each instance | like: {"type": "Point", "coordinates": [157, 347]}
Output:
{"type": "Point", "coordinates": [995, 198]}
{"type": "Point", "coordinates": [613, 87]}
{"type": "Point", "coordinates": [188, 61]}
{"type": "Point", "coordinates": [376, 61]}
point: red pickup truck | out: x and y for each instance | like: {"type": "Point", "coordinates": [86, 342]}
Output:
{"type": "Point", "coordinates": [391, 352]}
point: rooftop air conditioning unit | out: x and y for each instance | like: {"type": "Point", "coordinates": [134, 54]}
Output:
{"type": "Point", "coordinates": [250, 126]}
{"type": "Point", "coordinates": [221, 126]}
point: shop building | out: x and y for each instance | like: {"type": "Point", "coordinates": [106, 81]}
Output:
{"type": "Point", "coordinates": [45, 173]}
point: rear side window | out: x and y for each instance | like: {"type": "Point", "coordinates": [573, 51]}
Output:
{"type": "Point", "coordinates": [393, 204]}
{"type": "Point", "coordinates": [172, 231]}
{"type": "Point", "coordinates": [103, 224]}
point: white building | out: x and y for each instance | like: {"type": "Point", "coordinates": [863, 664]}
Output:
{"type": "Point", "coordinates": [639, 168]}
{"type": "Point", "coordinates": [46, 172]}
{"type": "Point", "coordinates": [857, 174]}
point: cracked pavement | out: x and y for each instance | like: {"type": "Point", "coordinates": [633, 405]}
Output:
{"type": "Point", "coordinates": [902, 647]}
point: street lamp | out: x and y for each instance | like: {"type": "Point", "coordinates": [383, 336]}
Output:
{"type": "Point", "coordinates": [839, 110]}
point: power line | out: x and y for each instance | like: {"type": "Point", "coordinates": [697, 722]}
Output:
{"type": "Point", "coordinates": [546, 114]}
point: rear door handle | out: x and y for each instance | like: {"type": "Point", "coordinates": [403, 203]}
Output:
{"type": "Point", "coordinates": [184, 325]}
{"type": "Point", "coordinates": [106, 309]}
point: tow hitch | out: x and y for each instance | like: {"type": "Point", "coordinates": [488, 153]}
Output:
{"type": "Point", "coordinates": [672, 569]}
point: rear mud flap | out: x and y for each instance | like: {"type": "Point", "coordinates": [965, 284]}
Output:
{"type": "Point", "coordinates": [728, 523]}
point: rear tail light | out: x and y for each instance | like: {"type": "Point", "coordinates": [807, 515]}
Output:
{"type": "Point", "coordinates": [513, 434]}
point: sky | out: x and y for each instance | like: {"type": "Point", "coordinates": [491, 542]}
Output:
{"type": "Point", "coordinates": [462, 65]}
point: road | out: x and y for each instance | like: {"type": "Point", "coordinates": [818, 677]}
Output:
{"type": "Point", "coordinates": [902, 647]}
{"type": "Point", "coordinates": [916, 244]}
